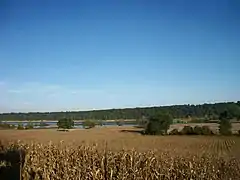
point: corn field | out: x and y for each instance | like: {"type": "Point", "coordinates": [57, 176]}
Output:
{"type": "Point", "coordinates": [59, 161]}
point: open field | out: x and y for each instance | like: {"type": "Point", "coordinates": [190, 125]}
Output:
{"type": "Point", "coordinates": [122, 153]}
{"type": "Point", "coordinates": [116, 138]}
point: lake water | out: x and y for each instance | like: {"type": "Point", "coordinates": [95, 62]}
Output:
{"type": "Point", "coordinates": [77, 125]}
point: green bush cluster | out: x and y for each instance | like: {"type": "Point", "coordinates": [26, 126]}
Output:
{"type": "Point", "coordinates": [174, 132]}
{"type": "Point", "coordinates": [225, 126]}
{"type": "Point", "coordinates": [65, 123]}
{"type": "Point", "coordinates": [20, 126]}
{"type": "Point", "coordinates": [29, 125]}
{"type": "Point", "coordinates": [158, 124]}
{"type": "Point", "coordinates": [88, 124]}
{"type": "Point", "coordinates": [7, 126]}
{"type": "Point", "coordinates": [188, 130]}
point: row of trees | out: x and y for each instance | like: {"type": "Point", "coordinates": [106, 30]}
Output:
{"type": "Point", "coordinates": [68, 123]}
{"type": "Point", "coordinates": [29, 125]}
{"type": "Point", "coordinates": [160, 123]}
{"type": "Point", "coordinates": [206, 111]}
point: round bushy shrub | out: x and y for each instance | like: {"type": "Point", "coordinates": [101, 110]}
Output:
{"type": "Point", "coordinates": [158, 124]}
{"type": "Point", "coordinates": [197, 130]}
{"type": "Point", "coordinates": [88, 124]}
{"type": "Point", "coordinates": [187, 130]}
{"type": "Point", "coordinates": [174, 132]}
{"type": "Point", "coordinates": [225, 125]}
{"type": "Point", "coordinates": [29, 125]}
{"type": "Point", "coordinates": [206, 131]}
{"type": "Point", "coordinates": [65, 123]}
{"type": "Point", "coordinates": [20, 127]}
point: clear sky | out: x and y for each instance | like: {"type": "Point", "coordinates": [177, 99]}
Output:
{"type": "Point", "coordinates": [94, 54]}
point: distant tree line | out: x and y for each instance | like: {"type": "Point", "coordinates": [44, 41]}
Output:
{"type": "Point", "coordinates": [160, 124]}
{"type": "Point", "coordinates": [206, 111]}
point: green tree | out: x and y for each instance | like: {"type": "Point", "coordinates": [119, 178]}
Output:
{"type": "Point", "coordinates": [225, 125]}
{"type": "Point", "coordinates": [187, 130]}
{"type": "Point", "coordinates": [87, 124]}
{"type": "Point", "coordinates": [197, 130]}
{"type": "Point", "coordinates": [174, 132]}
{"type": "Point", "coordinates": [20, 126]}
{"type": "Point", "coordinates": [29, 125]}
{"type": "Point", "coordinates": [158, 124]}
{"type": "Point", "coordinates": [65, 123]}
{"type": "Point", "coordinates": [207, 131]}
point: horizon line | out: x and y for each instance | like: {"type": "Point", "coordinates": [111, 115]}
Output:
{"type": "Point", "coordinates": [136, 107]}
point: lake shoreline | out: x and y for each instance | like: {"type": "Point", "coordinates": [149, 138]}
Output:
{"type": "Point", "coordinates": [55, 121]}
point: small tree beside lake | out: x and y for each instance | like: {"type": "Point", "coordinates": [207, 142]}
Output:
{"type": "Point", "coordinates": [158, 124]}
{"type": "Point", "coordinates": [87, 124]}
{"type": "Point", "coordinates": [65, 123]}
{"type": "Point", "coordinates": [29, 125]}
{"type": "Point", "coordinates": [20, 126]}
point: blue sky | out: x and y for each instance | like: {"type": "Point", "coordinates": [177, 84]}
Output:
{"type": "Point", "coordinates": [81, 55]}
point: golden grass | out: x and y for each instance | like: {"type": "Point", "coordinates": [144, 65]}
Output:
{"type": "Point", "coordinates": [109, 153]}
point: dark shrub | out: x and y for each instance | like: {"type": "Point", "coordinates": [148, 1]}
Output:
{"type": "Point", "coordinates": [88, 124]}
{"type": "Point", "coordinates": [225, 125]}
{"type": "Point", "coordinates": [174, 132]}
{"type": "Point", "coordinates": [206, 131]}
{"type": "Point", "coordinates": [197, 130]}
{"type": "Point", "coordinates": [29, 125]}
{"type": "Point", "coordinates": [158, 124]}
{"type": "Point", "coordinates": [65, 123]}
{"type": "Point", "coordinates": [187, 130]}
{"type": "Point", "coordinates": [20, 127]}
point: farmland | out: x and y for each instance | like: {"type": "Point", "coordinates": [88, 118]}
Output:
{"type": "Point", "coordinates": [123, 153]}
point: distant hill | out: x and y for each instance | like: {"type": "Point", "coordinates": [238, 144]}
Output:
{"type": "Point", "coordinates": [207, 111]}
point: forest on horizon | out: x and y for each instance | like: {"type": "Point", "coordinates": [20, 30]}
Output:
{"type": "Point", "coordinates": [206, 111]}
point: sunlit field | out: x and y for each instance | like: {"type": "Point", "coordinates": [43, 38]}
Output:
{"type": "Point", "coordinates": [117, 153]}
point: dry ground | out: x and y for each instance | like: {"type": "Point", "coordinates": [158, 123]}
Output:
{"type": "Point", "coordinates": [128, 138]}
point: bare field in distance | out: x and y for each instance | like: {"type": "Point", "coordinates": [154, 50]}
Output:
{"type": "Point", "coordinates": [118, 138]}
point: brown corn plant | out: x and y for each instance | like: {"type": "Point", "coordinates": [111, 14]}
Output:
{"type": "Point", "coordinates": [95, 162]}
